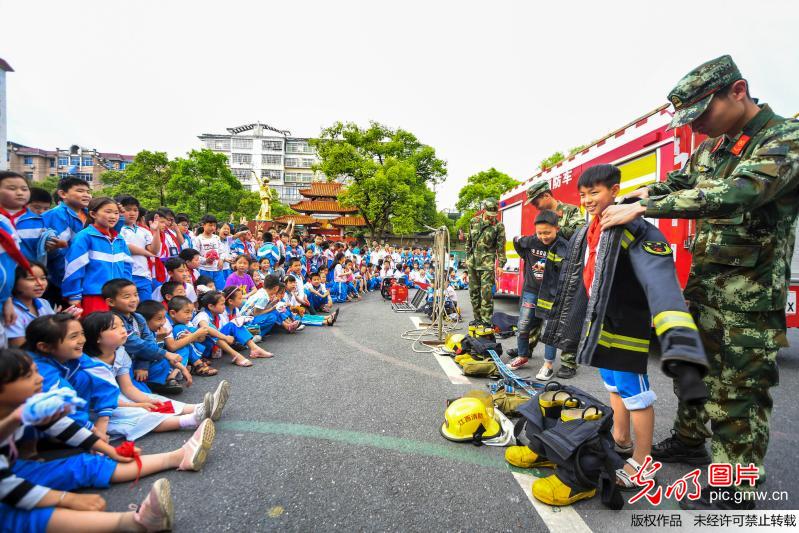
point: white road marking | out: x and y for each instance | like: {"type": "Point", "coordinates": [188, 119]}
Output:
{"type": "Point", "coordinates": [557, 519]}
{"type": "Point", "coordinates": [450, 368]}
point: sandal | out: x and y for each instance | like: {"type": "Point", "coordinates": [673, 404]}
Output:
{"type": "Point", "coordinates": [200, 368]}
{"type": "Point", "coordinates": [625, 480]}
{"type": "Point", "coordinates": [518, 363]}
{"type": "Point", "coordinates": [241, 361]}
{"type": "Point", "coordinates": [263, 354]}
{"type": "Point", "coordinates": [334, 316]}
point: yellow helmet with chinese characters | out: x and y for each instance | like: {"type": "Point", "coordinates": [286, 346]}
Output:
{"type": "Point", "coordinates": [467, 419]}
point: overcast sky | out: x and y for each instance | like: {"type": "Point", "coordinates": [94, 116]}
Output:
{"type": "Point", "coordinates": [500, 84]}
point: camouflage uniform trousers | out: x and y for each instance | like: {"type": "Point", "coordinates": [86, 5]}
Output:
{"type": "Point", "coordinates": [567, 359]}
{"type": "Point", "coordinates": [481, 285]}
{"type": "Point", "coordinates": [742, 352]}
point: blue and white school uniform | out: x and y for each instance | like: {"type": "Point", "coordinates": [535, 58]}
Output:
{"type": "Point", "coordinates": [66, 224]}
{"type": "Point", "coordinates": [7, 268]}
{"type": "Point", "coordinates": [317, 302]}
{"type": "Point", "coordinates": [70, 375]}
{"type": "Point", "coordinates": [132, 423]}
{"type": "Point", "coordinates": [265, 321]}
{"type": "Point", "coordinates": [31, 230]}
{"type": "Point", "coordinates": [223, 325]}
{"type": "Point", "coordinates": [25, 316]}
{"type": "Point", "coordinates": [92, 260]}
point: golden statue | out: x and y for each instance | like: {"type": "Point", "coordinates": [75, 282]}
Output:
{"type": "Point", "coordinates": [265, 194]}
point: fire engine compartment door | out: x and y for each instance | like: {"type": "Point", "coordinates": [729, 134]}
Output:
{"type": "Point", "coordinates": [512, 219]}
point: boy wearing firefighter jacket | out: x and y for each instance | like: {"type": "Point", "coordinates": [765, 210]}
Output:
{"type": "Point", "coordinates": [612, 288]}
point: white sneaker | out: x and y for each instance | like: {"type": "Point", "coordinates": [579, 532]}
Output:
{"type": "Point", "coordinates": [204, 410]}
{"type": "Point", "coordinates": [545, 374]}
{"type": "Point", "coordinates": [195, 451]}
{"type": "Point", "coordinates": [156, 512]}
{"type": "Point", "coordinates": [219, 399]}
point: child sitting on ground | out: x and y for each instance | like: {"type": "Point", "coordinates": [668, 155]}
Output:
{"type": "Point", "coordinates": [176, 271]}
{"type": "Point", "coordinates": [223, 333]}
{"type": "Point", "coordinates": [318, 296]}
{"type": "Point", "coordinates": [240, 278]}
{"type": "Point", "coordinates": [298, 310]}
{"type": "Point", "coordinates": [169, 290]}
{"type": "Point", "coordinates": [27, 503]}
{"type": "Point", "coordinates": [135, 413]}
{"type": "Point", "coordinates": [185, 339]}
{"type": "Point", "coordinates": [28, 302]}
{"type": "Point", "coordinates": [151, 364]}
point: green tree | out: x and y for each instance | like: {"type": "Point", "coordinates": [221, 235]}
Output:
{"type": "Point", "coordinates": [552, 160]}
{"type": "Point", "coordinates": [202, 183]}
{"type": "Point", "coordinates": [147, 178]}
{"type": "Point", "coordinates": [489, 183]}
{"type": "Point", "coordinates": [49, 184]}
{"type": "Point", "coordinates": [388, 172]}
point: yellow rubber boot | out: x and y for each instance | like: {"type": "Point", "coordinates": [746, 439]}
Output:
{"type": "Point", "coordinates": [524, 457]}
{"type": "Point", "coordinates": [463, 358]}
{"type": "Point", "coordinates": [553, 491]}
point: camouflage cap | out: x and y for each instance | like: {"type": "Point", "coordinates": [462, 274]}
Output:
{"type": "Point", "coordinates": [490, 206]}
{"type": "Point", "coordinates": [694, 91]}
{"type": "Point", "coordinates": [536, 189]}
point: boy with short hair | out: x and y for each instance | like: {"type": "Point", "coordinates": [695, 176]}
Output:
{"type": "Point", "coordinates": [318, 296]}
{"type": "Point", "coordinates": [211, 252]}
{"type": "Point", "coordinates": [170, 289]}
{"type": "Point", "coordinates": [243, 245]}
{"type": "Point", "coordinates": [176, 271]}
{"type": "Point", "coordinates": [539, 251]}
{"type": "Point", "coordinates": [40, 201]}
{"type": "Point", "coordinates": [172, 237]}
{"type": "Point", "coordinates": [143, 243]}
{"type": "Point", "coordinates": [612, 285]}
{"type": "Point", "coordinates": [193, 259]}
{"type": "Point", "coordinates": [183, 225]}
{"type": "Point", "coordinates": [66, 220]}
{"type": "Point", "coordinates": [151, 363]}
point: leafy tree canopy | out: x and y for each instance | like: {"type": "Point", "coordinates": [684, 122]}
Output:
{"type": "Point", "coordinates": [387, 173]}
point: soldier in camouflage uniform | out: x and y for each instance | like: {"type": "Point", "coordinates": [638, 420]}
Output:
{"type": "Point", "coordinates": [742, 185]}
{"type": "Point", "coordinates": [540, 195]}
{"type": "Point", "coordinates": [485, 248]}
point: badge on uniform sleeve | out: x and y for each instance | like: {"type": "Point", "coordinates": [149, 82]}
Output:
{"type": "Point", "coordinates": [657, 247]}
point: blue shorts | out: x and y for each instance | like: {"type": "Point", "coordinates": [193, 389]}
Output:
{"type": "Point", "coordinates": [216, 275]}
{"type": "Point", "coordinates": [72, 473]}
{"type": "Point", "coordinates": [633, 388]}
{"type": "Point", "coordinates": [23, 521]}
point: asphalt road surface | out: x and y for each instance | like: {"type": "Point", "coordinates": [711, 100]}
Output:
{"type": "Point", "coordinates": [340, 431]}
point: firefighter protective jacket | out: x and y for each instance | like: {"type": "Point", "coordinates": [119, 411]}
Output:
{"type": "Point", "coordinates": [635, 287]}
{"type": "Point", "coordinates": [558, 251]}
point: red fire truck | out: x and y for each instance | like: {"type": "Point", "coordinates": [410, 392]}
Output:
{"type": "Point", "coordinates": [645, 151]}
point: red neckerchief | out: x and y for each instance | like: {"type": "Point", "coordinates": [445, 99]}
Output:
{"type": "Point", "coordinates": [231, 313]}
{"type": "Point", "coordinates": [128, 449]}
{"type": "Point", "coordinates": [216, 321]}
{"type": "Point", "coordinates": [13, 218]}
{"type": "Point", "coordinates": [110, 233]}
{"type": "Point", "coordinates": [193, 277]}
{"type": "Point", "coordinates": [594, 232]}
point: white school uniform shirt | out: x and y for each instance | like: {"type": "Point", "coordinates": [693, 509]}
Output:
{"type": "Point", "coordinates": [205, 316]}
{"type": "Point", "coordinates": [204, 245]}
{"type": "Point", "coordinates": [191, 294]}
{"type": "Point", "coordinates": [142, 238]}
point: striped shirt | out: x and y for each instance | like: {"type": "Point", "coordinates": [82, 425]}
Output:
{"type": "Point", "coordinates": [16, 491]}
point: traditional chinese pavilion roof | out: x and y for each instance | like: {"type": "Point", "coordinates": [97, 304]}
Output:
{"type": "Point", "coordinates": [321, 189]}
{"type": "Point", "coordinates": [303, 220]}
{"type": "Point", "coordinates": [322, 206]}
{"type": "Point", "coordinates": [348, 221]}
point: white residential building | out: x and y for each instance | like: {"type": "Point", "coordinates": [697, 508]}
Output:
{"type": "Point", "coordinates": [4, 67]}
{"type": "Point", "coordinates": [266, 152]}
